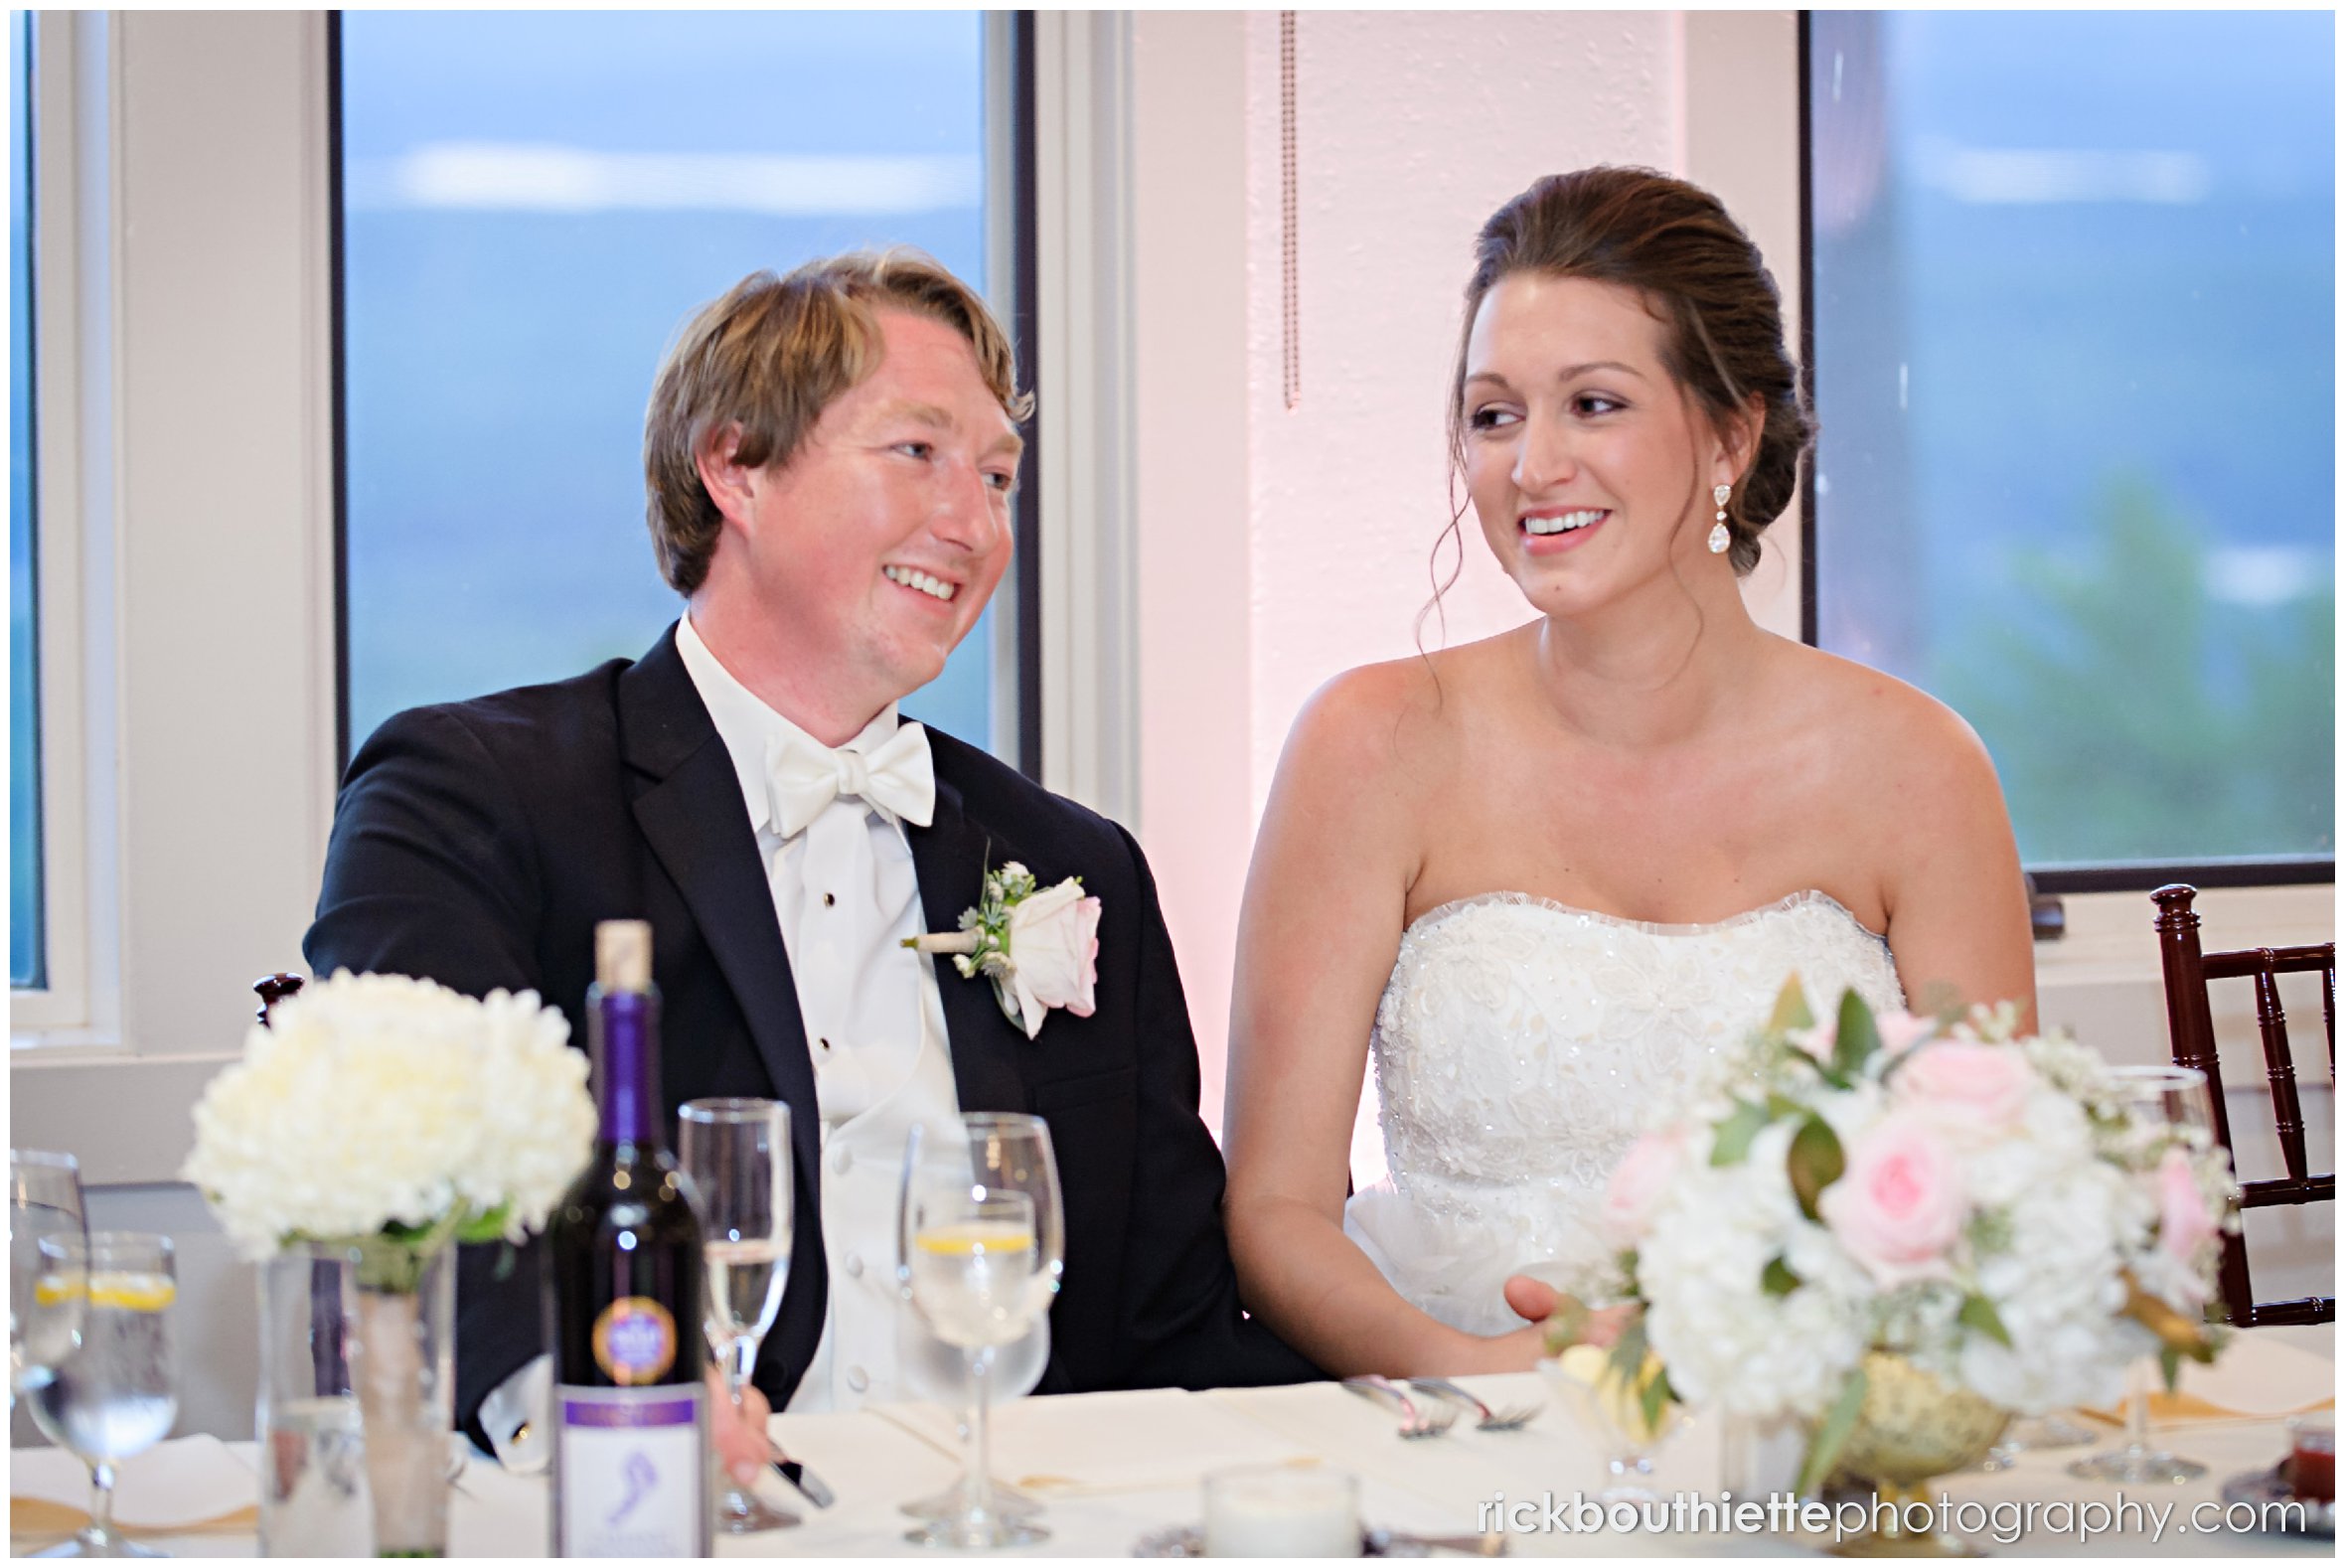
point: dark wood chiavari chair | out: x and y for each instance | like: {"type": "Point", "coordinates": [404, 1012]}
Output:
{"type": "Point", "coordinates": [2190, 1022]}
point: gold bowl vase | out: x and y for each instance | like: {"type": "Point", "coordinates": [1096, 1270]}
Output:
{"type": "Point", "coordinates": [1912, 1428]}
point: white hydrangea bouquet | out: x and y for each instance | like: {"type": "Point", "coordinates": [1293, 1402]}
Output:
{"type": "Point", "coordinates": [393, 1116]}
{"type": "Point", "coordinates": [1981, 1203]}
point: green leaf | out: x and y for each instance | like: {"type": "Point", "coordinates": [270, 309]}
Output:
{"type": "Point", "coordinates": [1824, 1451]}
{"type": "Point", "coordinates": [1776, 1279]}
{"type": "Point", "coordinates": [1979, 1314]}
{"type": "Point", "coordinates": [1856, 1040]}
{"type": "Point", "coordinates": [1652, 1397]}
{"type": "Point", "coordinates": [1790, 1009]}
{"type": "Point", "coordinates": [1628, 1353]}
{"type": "Point", "coordinates": [1736, 1132]}
{"type": "Point", "coordinates": [2169, 1365]}
{"type": "Point", "coordinates": [484, 1227]}
{"type": "Point", "coordinates": [1778, 1104]}
{"type": "Point", "coordinates": [1814, 1162]}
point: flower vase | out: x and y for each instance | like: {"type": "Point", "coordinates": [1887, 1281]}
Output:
{"type": "Point", "coordinates": [356, 1401]}
{"type": "Point", "coordinates": [1912, 1428]}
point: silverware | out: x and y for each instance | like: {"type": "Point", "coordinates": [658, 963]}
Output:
{"type": "Point", "coordinates": [1513, 1419]}
{"type": "Point", "coordinates": [1414, 1423]}
{"type": "Point", "coordinates": [1399, 1543]}
{"type": "Point", "coordinates": [808, 1484]}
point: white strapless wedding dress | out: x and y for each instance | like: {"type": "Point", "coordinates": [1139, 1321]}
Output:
{"type": "Point", "coordinates": [1520, 1048]}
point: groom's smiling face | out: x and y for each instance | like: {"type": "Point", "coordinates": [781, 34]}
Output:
{"type": "Point", "coordinates": [874, 549]}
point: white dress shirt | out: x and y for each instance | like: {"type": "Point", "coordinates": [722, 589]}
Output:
{"type": "Point", "coordinates": [846, 894]}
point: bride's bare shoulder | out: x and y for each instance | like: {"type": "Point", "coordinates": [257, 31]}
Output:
{"type": "Point", "coordinates": [1883, 726]}
{"type": "Point", "coordinates": [1397, 724]}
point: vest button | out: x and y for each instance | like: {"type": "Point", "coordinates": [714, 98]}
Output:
{"type": "Point", "coordinates": [855, 1265]}
{"type": "Point", "coordinates": [841, 1159]}
{"type": "Point", "coordinates": [857, 1379]}
{"type": "Point", "coordinates": [829, 900]}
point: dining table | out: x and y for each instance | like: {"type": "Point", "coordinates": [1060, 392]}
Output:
{"type": "Point", "coordinates": [1120, 1472]}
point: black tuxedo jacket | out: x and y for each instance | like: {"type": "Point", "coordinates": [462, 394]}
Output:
{"type": "Point", "coordinates": [479, 842]}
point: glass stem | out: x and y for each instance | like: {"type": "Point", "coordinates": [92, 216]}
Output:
{"type": "Point", "coordinates": [2137, 1410]}
{"type": "Point", "coordinates": [101, 1502]}
{"type": "Point", "coordinates": [981, 1431]}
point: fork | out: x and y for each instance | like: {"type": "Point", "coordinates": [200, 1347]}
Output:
{"type": "Point", "coordinates": [1513, 1419]}
{"type": "Point", "coordinates": [1414, 1423]}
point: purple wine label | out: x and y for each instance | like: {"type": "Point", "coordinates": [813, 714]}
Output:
{"type": "Point", "coordinates": [635, 1340]}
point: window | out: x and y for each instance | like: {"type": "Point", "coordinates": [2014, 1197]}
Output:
{"type": "Point", "coordinates": [25, 912]}
{"type": "Point", "coordinates": [533, 203]}
{"type": "Point", "coordinates": [2074, 282]}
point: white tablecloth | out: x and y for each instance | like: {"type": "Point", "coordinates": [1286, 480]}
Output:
{"type": "Point", "coordinates": [1114, 1467]}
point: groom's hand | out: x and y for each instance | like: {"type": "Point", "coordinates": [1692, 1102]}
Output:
{"type": "Point", "coordinates": [739, 1432]}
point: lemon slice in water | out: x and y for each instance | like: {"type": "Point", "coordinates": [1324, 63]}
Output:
{"type": "Point", "coordinates": [974, 1236]}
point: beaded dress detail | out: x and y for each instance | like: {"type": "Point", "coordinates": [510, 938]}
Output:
{"type": "Point", "coordinates": [1520, 1048]}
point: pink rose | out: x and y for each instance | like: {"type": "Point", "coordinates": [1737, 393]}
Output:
{"type": "Point", "coordinates": [1902, 1031]}
{"type": "Point", "coordinates": [1898, 1208]}
{"type": "Point", "coordinates": [1637, 1183]}
{"type": "Point", "coordinates": [1819, 1041]}
{"type": "Point", "coordinates": [1054, 942]}
{"type": "Point", "coordinates": [1971, 1092]}
{"type": "Point", "coordinates": [2184, 1226]}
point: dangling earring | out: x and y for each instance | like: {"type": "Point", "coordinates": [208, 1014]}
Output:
{"type": "Point", "coordinates": [1719, 537]}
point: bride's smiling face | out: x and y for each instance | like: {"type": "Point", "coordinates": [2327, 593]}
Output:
{"type": "Point", "coordinates": [1588, 464]}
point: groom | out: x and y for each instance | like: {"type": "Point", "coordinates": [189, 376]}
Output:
{"type": "Point", "coordinates": [829, 458]}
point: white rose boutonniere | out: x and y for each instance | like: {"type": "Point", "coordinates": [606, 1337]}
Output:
{"type": "Point", "coordinates": [1039, 946]}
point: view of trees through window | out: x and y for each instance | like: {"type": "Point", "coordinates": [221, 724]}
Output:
{"type": "Point", "coordinates": [2075, 323]}
{"type": "Point", "coordinates": [533, 203]}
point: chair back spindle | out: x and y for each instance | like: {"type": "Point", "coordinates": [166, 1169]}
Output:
{"type": "Point", "coordinates": [2187, 968]}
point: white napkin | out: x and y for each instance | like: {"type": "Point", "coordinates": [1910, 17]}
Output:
{"type": "Point", "coordinates": [176, 1485]}
{"type": "Point", "coordinates": [1069, 1443]}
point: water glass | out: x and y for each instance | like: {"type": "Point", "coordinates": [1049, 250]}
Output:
{"type": "Point", "coordinates": [736, 1155]}
{"type": "Point", "coordinates": [938, 1372]}
{"type": "Point", "coordinates": [45, 1298]}
{"type": "Point", "coordinates": [116, 1394]}
{"type": "Point", "coordinates": [2157, 1098]}
{"type": "Point", "coordinates": [982, 1243]}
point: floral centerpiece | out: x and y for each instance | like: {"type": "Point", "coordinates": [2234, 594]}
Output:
{"type": "Point", "coordinates": [384, 1118]}
{"type": "Point", "coordinates": [1981, 1207]}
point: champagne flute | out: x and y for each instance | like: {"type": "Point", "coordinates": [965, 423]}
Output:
{"type": "Point", "coordinates": [114, 1396]}
{"type": "Point", "coordinates": [736, 1155]}
{"type": "Point", "coordinates": [983, 1243]}
{"type": "Point", "coordinates": [2157, 1100]}
{"type": "Point", "coordinates": [43, 1323]}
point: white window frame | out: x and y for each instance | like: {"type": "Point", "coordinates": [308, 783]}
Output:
{"type": "Point", "coordinates": [192, 498]}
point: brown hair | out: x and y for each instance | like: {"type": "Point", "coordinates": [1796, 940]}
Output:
{"type": "Point", "coordinates": [1673, 243]}
{"type": "Point", "coordinates": [770, 357]}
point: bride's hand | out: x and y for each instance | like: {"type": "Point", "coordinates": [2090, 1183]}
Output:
{"type": "Point", "coordinates": [1537, 1300]}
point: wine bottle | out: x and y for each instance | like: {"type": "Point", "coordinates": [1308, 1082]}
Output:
{"type": "Point", "coordinates": [623, 1265]}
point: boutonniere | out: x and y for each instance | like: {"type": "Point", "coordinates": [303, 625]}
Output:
{"type": "Point", "coordinates": [1039, 946]}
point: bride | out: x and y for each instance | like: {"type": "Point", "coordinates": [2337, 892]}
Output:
{"type": "Point", "coordinates": [1543, 874]}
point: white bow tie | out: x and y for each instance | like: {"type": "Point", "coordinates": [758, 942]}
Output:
{"type": "Point", "coordinates": [895, 779]}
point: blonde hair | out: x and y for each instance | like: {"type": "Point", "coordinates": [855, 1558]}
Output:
{"type": "Point", "coordinates": [770, 357]}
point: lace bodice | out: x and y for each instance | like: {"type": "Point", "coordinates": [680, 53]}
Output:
{"type": "Point", "coordinates": [1521, 1045]}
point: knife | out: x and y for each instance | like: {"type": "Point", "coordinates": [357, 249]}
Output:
{"type": "Point", "coordinates": [808, 1484]}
